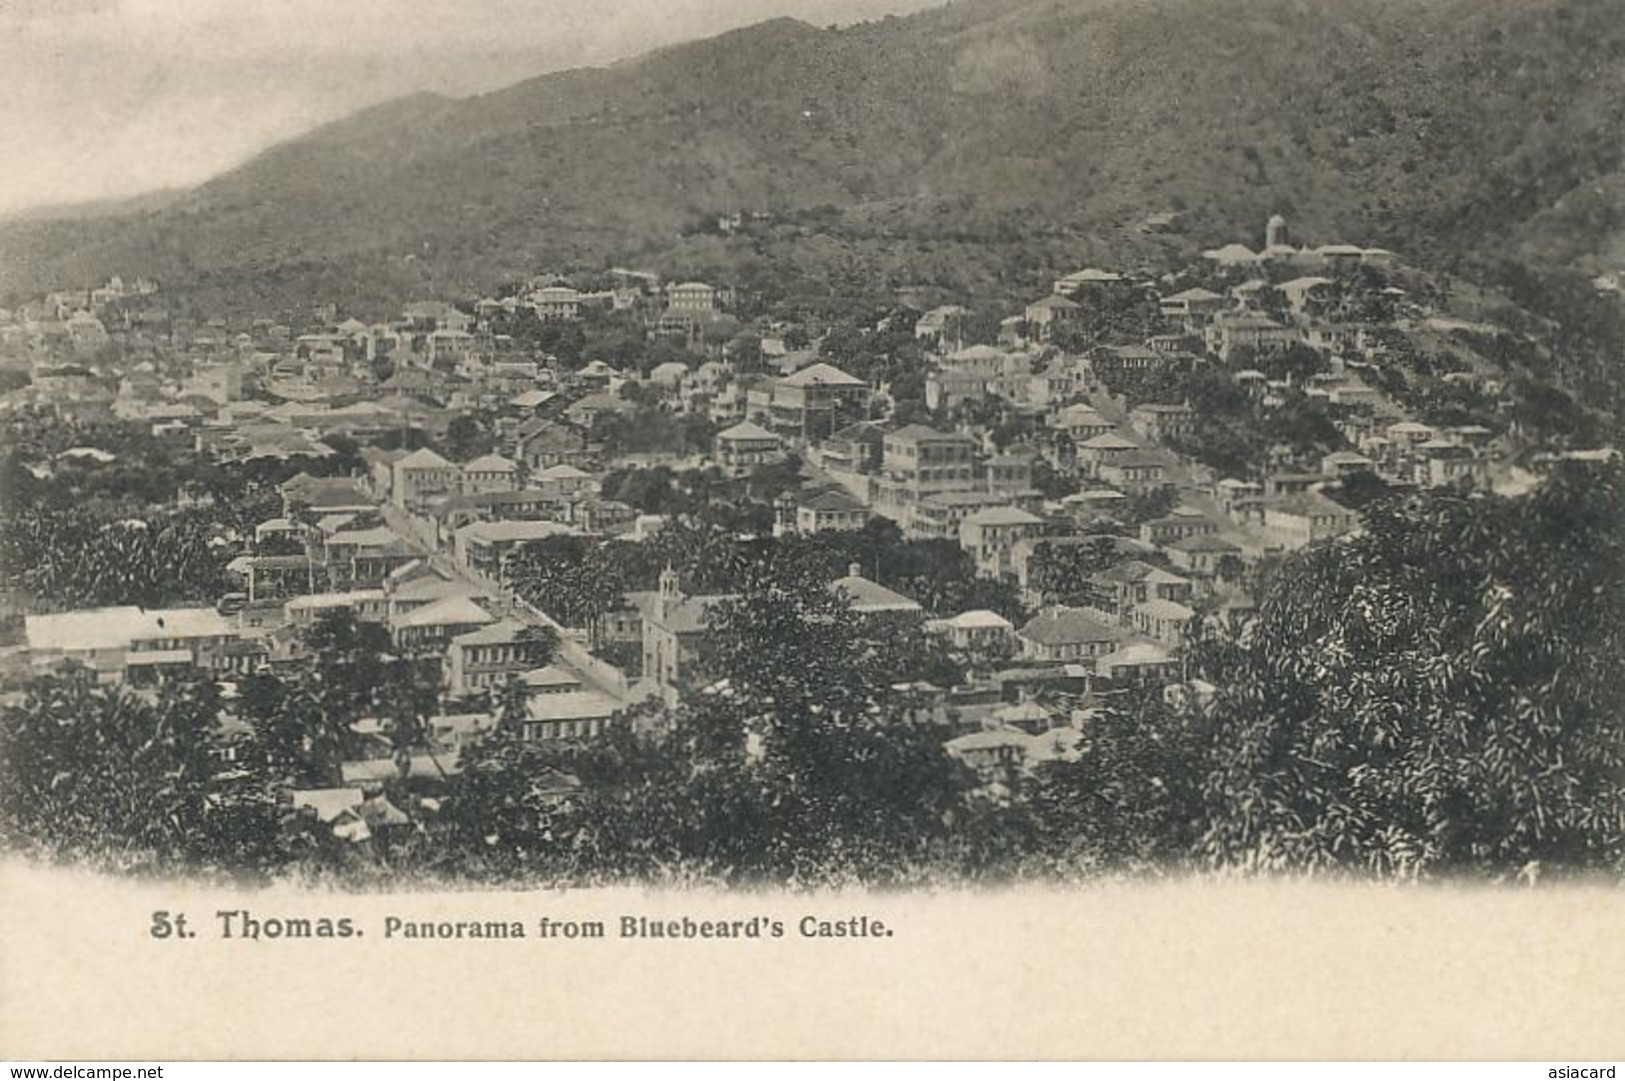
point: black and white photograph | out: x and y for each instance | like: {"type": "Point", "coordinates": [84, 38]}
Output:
{"type": "Point", "coordinates": [751, 470]}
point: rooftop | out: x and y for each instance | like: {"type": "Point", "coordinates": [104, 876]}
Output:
{"type": "Point", "coordinates": [490, 463]}
{"type": "Point", "coordinates": [870, 596]}
{"type": "Point", "coordinates": [1065, 626]}
{"type": "Point", "coordinates": [822, 374]}
{"type": "Point", "coordinates": [452, 611]}
{"type": "Point", "coordinates": [747, 430]}
{"type": "Point", "coordinates": [499, 532]}
{"type": "Point", "coordinates": [114, 628]}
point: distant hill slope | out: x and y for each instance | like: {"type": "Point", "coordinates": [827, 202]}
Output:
{"type": "Point", "coordinates": [958, 145]}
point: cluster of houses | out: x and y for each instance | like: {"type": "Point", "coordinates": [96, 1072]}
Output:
{"type": "Point", "coordinates": [421, 544]}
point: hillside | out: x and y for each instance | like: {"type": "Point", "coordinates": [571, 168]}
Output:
{"type": "Point", "coordinates": [962, 147]}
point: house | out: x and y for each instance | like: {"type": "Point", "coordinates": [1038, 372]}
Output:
{"type": "Point", "coordinates": [322, 495]}
{"type": "Point", "coordinates": [993, 753]}
{"type": "Point", "coordinates": [1083, 281]}
{"type": "Point", "coordinates": [1228, 333]}
{"type": "Point", "coordinates": [560, 709]}
{"type": "Point", "coordinates": [596, 375]}
{"type": "Point", "coordinates": [1061, 634]}
{"type": "Point", "coordinates": [430, 315]}
{"type": "Point", "coordinates": [363, 557]}
{"type": "Point", "coordinates": [952, 388]}
{"type": "Point", "coordinates": [483, 660]}
{"type": "Point", "coordinates": [540, 443]}
{"type": "Point", "coordinates": [1101, 449]}
{"type": "Point", "coordinates": [1231, 492]}
{"type": "Point", "coordinates": [668, 377]}
{"type": "Point", "coordinates": [490, 473]}
{"type": "Point", "coordinates": [564, 482]}
{"type": "Point", "coordinates": [1341, 463]}
{"type": "Point", "coordinates": [601, 404]}
{"type": "Point", "coordinates": [855, 449]}
{"type": "Point", "coordinates": [1192, 307]}
{"type": "Point", "coordinates": [527, 504]}
{"type": "Point", "coordinates": [1163, 620]}
{"type": "Point", "coordinates": [482, 547]}
{"type": "Point", "coordinates": [831, 509]}
{"type": "Point", "coordinates": [1083, 423]}
{"type": "Point", "coordinates": [1161, 423]}
{"type": "Point", "coordinates": [367, 605]}
{"type": "Point", "coordinates": [1300, 292]}
{"type": "Point", "coordinates": [116, 644]}
{"type": "Point", "coordinates": [418, 585]}
{"type": "Point", "coordinates": [1205, 554]}
{"type": "Point", "coordinates": [273, 576]}
{"type": "Point", "coordinates": [1296, 521]}
{"type": "Point", "coordinates": [1175, 527]}
{"type": "Point", "coordinates": [339, 809]}
{"type": "Point", "coordinates": [1137, 662]}
{"type": "Point", "coordinates": [433, 626]}
{"type": "Point", "coordinates": [1445, 463]}
{"type": "Point", "coordinates": [421, 478]}
{"type": "Point", "coordinates": [816, 401]}
{"type": "Point", "coordinates": [1134, 473]}
{"type": "Point", "coordinates": [531, 402]}
{"type": "Point", "coordinates": [939, 326]}
{"type": "Point", "coordinates": [937, 516]}
{"type": "Point", "coordinates": [1010, 474]}
{"type": "Point", "coordinates": [692, 298]}
{"type": "Point", "coordinates": [1134, 582]}
{"type": "Point", "coordinates": [990, 536]}
{"type": "Point", "coordinates": [448, 348]}
{"type": "Point", "coordinates": [869, 597]}
{"type": "Point", "coordinates": [1410, 433]}
{"type": "Point", "coordinates": [556, 303]}
{"type": "Point", "coordinates": [917, 462]}
{"type": "Point", "coordinates": [1232, 255]}
{"type": "Point", "coordinates": [1049, 314]}
{"type": "Point", "coordinates": [746, 446]}
{"type": "Point", "coordinates": [977, 630]}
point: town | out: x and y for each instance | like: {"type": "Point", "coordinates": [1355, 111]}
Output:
{"type": "Point", "coordinates": [546, 521]}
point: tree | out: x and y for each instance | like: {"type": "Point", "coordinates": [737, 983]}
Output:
{"type": "Point", "coordinates": [130, 783]}
{"type": "Point", "coordinates": [466, 438]}
{"type": "Point", "coordinates": [836, 782]}
{"type": "Point", "coordinates": [1063, 573]}
{"type": "Point", "coordinates": [1444, 693]}
{"type": "Point", "coordinates": [1130, 799]}
{"type": "Point", "coordinates": [1051, 484]}
{"type": "Point", "coordinates": [574, 580]}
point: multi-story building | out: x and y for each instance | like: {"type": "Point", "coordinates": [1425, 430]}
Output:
{"type": "Point", "coordinates": [692, 298]}
{"type": "Point", "coordinates": [490, 473]}
{"type": "Point", "coordinates": [746, 446]}
{"type": "Point", "coordinates": [123, 643]}
{"type": "Point", "coordinates": [990, 536]}
{"type": "Point", "coordinates": [918, 462]}
{"type": "Point", "coordinates": [1160, 423]}
{"type": "Point", "coordinates": [421, 478]}
{"type": "Point", "coordinates": [483, 546]}
{"type": "Point", "coordinates": [829, 510]}
{"type": "Point", "coordinates": [481, 661]}
{"type": "Point", "coordinates": [816, 401]}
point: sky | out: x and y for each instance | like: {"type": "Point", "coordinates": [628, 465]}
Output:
{"type": "Point", "coordinates": [110, 98]}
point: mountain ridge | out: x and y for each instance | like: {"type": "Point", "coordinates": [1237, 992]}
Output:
{"type": "Point", "coordinates": [1450, 129]}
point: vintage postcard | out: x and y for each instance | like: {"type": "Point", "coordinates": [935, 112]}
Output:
{"type": "Point", "coordinates": [729, 529]}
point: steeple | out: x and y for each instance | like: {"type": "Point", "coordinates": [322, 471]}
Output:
{"type": "Point", "coordinates": [670, 592]}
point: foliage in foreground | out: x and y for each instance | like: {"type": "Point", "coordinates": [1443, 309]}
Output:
{"type": "Point", "coordinates": [1443, 694]}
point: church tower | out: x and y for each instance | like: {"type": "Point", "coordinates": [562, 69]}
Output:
{"type": "Point", "coordinates": [1275, 232]}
